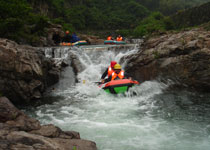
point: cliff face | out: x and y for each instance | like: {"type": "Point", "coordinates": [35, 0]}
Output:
{"type": "Point", "coordinates": [192, 17]}
{"type": "Point", "coordinates": [182, 57]}
{"type": "Point", "coordinates": [25, 72]}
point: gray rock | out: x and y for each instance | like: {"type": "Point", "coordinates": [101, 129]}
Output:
{"type": "Point", "coordinates": [25, 72]}
{"type": "Point", "coordinates": [20, 132]}
{"type": "Point", "coordinates": [182, 57]}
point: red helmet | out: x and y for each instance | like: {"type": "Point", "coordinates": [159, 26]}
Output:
{"type": "Point", "coordinates": [113, 63]}
{"type": "Point", "coordinates": [67, 31]}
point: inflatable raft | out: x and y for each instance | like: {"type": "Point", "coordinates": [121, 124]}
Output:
{"type": "Point", "coordinates": [114, 42]}
{"type": "Point", "coordinates": [119, 86]}
{"type": "Point", "coordinates": [74, 44]}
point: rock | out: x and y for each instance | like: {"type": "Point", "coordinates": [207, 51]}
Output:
{"type": "Point", "coordinates": [55, 132]}
{"type": "Point", "coordinates": [182, 57]}
{"type": "Point", "coordinates": [94, 40]}
{"type": "Point", "coordinates": [20, 132]}
{"type": "Point", "coordinates": [51, 31]}
{"type": "Point", "coordinates": [47, 40]}
{"type": "Point", "coordinates": [75, 63]}
{"type": "Point", "coordinates": [10, 115]}
{"type": "Point", "coordinates": [48, 131]}
{"type": "Point", "coordinates": [25, 72]}
{"type": "Point", "coordinates": [19, 139]}
{"type": "Point", "coordinates": [8, 111]}
{"type": "Point", "coordinates": [73, 134]}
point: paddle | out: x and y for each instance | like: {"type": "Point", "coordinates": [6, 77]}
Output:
{"type": "Point", "coordinates": [96, 82]}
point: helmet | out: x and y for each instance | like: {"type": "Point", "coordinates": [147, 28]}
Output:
{"type": "Point", "coordinates": [113, 63]}
{"type": "Point", "coordinates": [117, 66]}
{"type": "Point", "coordinates": [67, 31]}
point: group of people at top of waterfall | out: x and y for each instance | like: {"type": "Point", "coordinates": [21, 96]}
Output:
{"type": "Point", "coordinates": [114, 72]}
{"type": "Point", "coordinates": [68, 38]}
{"type": "Point", "coordinates": [119, 38]}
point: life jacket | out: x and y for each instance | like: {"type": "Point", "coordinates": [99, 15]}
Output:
{"type": "Point", "coordinates": [120, 75]}
{"type": "Point", "coordinates": [109, 38]}
{"type": "Point", "coordinates": [119, 38]}
{"type": "Point", "coordinates": [110, 71]}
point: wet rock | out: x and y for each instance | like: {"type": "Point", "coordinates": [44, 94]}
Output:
{"type": "Point", "coordinates": [182, 57]}
{"type": "Point", "coordinates": [54, 28]}
{"type": "Point", "coordinates": [13, 117]}
{"type": "Point", "coordinates": [20, 132]}
{"type": "Point", "coordinates": [76, 63]}
{"type": "Point", "coordinates": [25, 72]}
{"type": "Point", "coordinates": [48, 39]}
{"type": "Point", "coordinates": [8, 111]}
{"type": "Point", "coordinates": [48, 131]}
{"type": "Point", "coordinates": [94, 40]}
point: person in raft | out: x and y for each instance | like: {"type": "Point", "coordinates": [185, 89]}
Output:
{"type": "Point", "coordinates": [108, 72]}
{"type": "Point", "coordinates": [117, 73]}
{"type": "Point", "coordinates": [119, 38]}
{"type": "Point", "coordinates": [109, 38]}
{"type": "Point", "coordinates": [74, 38]}
{"type": "Point", "coordinates": [67, 38]}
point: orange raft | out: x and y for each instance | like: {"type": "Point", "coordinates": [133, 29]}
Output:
{"type": "Point", "coordinates": [83, 42]}
{"type": "Point", "coordinates": [119, 86]}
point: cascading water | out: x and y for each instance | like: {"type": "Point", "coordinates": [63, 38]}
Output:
{"type": "Point", "coordinates": [154, 119]}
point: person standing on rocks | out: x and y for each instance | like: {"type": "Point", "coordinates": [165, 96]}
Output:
{"type": "Point", "coordinates": [56, 38]}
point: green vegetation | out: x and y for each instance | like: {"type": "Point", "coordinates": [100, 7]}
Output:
{"type": "Point", "coordinates": [26, 20]}
{"type": "Point", "coordinates": [18, 22]}
{"type": "Point", "coordinates": [192, 17]}
{"type": "Point", "coordinates": [156, 22]}
{"type": "Point", "coordinates": [206, 26]}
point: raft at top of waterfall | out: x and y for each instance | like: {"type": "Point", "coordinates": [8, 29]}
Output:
{"type": "Point", "coordinates": [110, 40]}
{"type": "Point", "coordinates": [82, 42]}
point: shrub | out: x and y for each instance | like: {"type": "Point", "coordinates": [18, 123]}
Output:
{"type": "Point", "coordinates": [154, 23]}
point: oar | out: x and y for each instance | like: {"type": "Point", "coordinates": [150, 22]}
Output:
{"type": "Point", "coordinates": [96, 82]}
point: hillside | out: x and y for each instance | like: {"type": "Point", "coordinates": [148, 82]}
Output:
{"type": "Point", "coordinates": [192, 17]}
{"type": "Point", "coordinates": [25, 21]}
{"type": "Point", "coordinates": [107, 14]}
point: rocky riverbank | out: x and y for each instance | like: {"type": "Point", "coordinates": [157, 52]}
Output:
{"type": "Point", "coordinates": [183, 57]}
{"type": "Point", "coordinates": [20, 132]}
{"type": "Point", "coordinates": [25, 73]}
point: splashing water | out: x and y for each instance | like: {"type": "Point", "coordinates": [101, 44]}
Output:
{"type": "Point", "coordinates": [154, 119]}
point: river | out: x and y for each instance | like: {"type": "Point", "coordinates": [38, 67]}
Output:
{"type": "Point", "coordinates": [155, 118]}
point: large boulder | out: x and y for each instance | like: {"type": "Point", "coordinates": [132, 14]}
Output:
{"type": "Point", "coordinates": [24, 72]}
{"type": "Point", "coordinates": [182, 57]}
{"type": "Point", "coordinates": [20, 132]}
{"type": "Point", "coordinates": [91, 39]}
